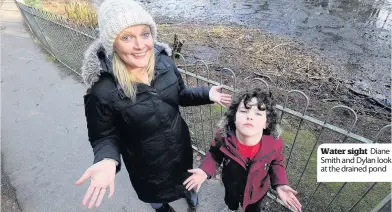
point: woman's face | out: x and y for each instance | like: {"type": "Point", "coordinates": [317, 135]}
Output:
{"type": "Point", "coordinates": [134, 45]}
{"type": "Point", "coordinates": [250, 122]}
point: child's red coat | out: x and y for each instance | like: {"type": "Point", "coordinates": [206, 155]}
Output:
{"type": "Point", "coordinates": [265, 168]}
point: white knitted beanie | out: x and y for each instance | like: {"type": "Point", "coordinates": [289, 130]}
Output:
{"type": "Point", "coordinates": [117, 15]}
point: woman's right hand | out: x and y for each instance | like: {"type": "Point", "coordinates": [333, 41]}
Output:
{"type": "Point", "coordinates": [198, 177]}
{"type": "Point", "coordinates": [102, 175]}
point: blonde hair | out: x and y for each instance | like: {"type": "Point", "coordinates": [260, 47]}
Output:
{"type": "Point", "coordinates": [126, 79]}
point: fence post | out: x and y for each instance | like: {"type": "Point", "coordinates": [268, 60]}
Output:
{"type": "Point", "coordinates": [384, 205]}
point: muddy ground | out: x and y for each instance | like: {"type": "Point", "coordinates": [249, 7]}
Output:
{"type": "Point", "coordinates": [284, 64]}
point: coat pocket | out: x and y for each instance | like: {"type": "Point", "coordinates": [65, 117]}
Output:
{"type": "Point", "coordinates": [264, 181]}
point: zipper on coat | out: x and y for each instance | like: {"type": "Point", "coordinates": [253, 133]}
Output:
{"type": "Point", "coordinates": [237, 156]}
{"type": "Point", "coordinates": [248, 163]}
{"type": "Point", "coordinates": [254, 161]}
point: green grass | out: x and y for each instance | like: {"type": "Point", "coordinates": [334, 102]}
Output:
{"type": "Point", "coordinates": [303, 146]}
{"type": "Point", "coordinates": [353, 191]}
{"type": "Point", "coordinates": [34, 3]}
{"type": "Point", "coordinates": [349, 195]}
{"type": "Point", "coordinates": [216, 110]}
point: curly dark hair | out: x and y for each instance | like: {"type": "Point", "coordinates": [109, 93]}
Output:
{"type": "Point", "coordinates": [265, 101]}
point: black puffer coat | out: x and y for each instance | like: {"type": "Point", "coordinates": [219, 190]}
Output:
{"type": "Point", "coordinates": [150, 134]}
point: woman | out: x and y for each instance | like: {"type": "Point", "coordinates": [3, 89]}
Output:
{"type": "Point", "coordinates": [132, 109]}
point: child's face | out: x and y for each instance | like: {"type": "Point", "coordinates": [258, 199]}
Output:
{"type": "Point", "coordinates": [250, 122]}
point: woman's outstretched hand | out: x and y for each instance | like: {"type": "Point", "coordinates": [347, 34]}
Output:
{"type": "Point", "coordinates": [197, 178]}
{"type": "Point", "coordinates": [218, 97]}
{"type": "Point", "coordinates": [287, 195]}
{"type": "Point", "coordinates": [102, 176]}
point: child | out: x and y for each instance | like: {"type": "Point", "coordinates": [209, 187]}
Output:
{"type": "Point", "coordinates": [247, 142]}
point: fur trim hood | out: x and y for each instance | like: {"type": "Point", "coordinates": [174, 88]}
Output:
{"type": "Point", "coordinates": [96, 62]}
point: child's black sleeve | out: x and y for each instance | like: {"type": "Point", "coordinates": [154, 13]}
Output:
{"type": "Point", "coordinates": [212, 160]}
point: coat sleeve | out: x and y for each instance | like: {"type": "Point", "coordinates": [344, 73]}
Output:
{"type": "Point", "coordinates": [192, 96]}
{"type": "Point", "coordinates": [277, 171]}
{"type": "Point", "coordinates": [212, 160]}
{"type": "Point", "coordinates": [102, 133]}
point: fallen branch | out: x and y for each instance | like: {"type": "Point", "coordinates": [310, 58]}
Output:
{"type": "Point", "coordinates": [336, 100]}
{"type": "Point", "coordinates": [177, 45]}
{"type": "Point", "coordinates": [330, 100]}
{"type": "Point", "coordinates": [372, 112]}
{"type": "Point", "coordinates": [370, 99]}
